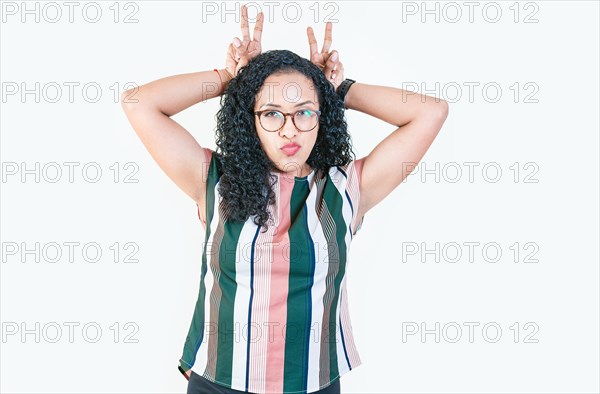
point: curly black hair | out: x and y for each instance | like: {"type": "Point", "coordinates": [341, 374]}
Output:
{"type": "Point", "coordinates": [246, 182]}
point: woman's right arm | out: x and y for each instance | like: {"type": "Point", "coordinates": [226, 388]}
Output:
{"type": "Point", "coordinates": [149, 108]}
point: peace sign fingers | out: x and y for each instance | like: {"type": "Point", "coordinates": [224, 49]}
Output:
{"type": "Point", "coordinates": [315, 56]}
{"type": "Point", "coordinates": [327, 61]}
{"type": "Point", "coordinates": [248, 48]}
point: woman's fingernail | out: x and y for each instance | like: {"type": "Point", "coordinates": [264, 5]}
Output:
{"type": "Point", "coordinates": [332, 76]}
{"type": "Point", "coordinates": [334, 56]}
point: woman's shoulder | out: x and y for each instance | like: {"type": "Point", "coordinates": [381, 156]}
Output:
{"type": "Point", "coordinates": [208, 152]}
{"type": "Point", "coordinates": [351, 170]}
{"type": "Point", "coordinates": [211, 161]}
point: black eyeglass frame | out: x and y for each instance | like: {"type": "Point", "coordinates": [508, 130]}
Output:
{"type": "Point", "coordinates": [285, 115]}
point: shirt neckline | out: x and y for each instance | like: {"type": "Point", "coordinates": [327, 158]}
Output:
{"type": "Point", "coordinates": [302, 178]}
{"type": "Point", "coordinates": [296, 178]}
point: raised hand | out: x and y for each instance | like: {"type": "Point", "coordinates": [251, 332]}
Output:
{"type": "Point", "coordinates": [240, 53]}
{"type": "Point", "coordinates": [327, 61]}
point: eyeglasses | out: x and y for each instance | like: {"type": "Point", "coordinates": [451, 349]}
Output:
{"type": "Point", "coordinates": [304, 120]}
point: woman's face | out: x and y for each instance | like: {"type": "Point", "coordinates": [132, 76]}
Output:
{"type": "Point", "coordinates": [287, 93]}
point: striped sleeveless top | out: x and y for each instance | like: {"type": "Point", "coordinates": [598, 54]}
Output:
{"type": "Point", "coordinates": [272, 310]}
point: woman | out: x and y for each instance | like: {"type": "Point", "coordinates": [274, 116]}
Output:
{"type": "Point", "coordinates": [280, 199]}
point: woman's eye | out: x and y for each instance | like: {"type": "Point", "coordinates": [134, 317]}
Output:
{"type": "Point", "coordinates": [305, 112]}
{"type": "Point", "coordinates": [272, 113]}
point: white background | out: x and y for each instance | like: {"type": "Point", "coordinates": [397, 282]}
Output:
{"type": "Point", "coordinates": [547, 210]}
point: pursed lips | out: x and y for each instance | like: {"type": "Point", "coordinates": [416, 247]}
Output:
{"type": "Point", "coordinates": [290, 149]}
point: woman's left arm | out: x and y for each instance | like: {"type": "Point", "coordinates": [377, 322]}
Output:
{"type": "Point", "coordinates": [419, 119]}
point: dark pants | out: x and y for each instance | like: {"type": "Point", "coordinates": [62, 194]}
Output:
{"type": "Point", "coordinates": [199, 385]}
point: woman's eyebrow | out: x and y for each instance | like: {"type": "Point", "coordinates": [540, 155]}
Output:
{"type": "Point", "coordinates": [279, 106]}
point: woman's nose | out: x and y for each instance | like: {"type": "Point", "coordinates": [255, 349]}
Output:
{"type": "Point", "coordinates": [289, 129]}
